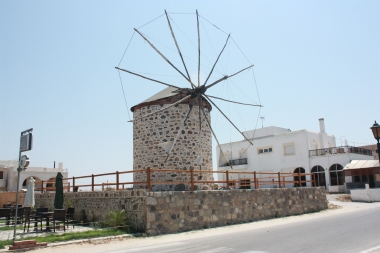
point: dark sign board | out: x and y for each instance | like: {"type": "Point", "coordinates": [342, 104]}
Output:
{"type": "Point", "coordinates": [26, 142]}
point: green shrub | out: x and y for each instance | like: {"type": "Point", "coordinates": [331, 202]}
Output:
{"type": "Point", "coordinates": [116, 219]}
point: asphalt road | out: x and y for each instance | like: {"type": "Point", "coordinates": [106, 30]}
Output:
{"type": "Point", "coordinates": [353, 228]}
{"type": "Point", "coordinates": [350, 232]}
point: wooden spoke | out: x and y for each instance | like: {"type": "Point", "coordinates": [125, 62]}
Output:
{"type": "Point", "coordinates": [180, 130]}
{"type": "Point", "coordinates": [166, 59]}
{"type": "Point", "coordinates": [217, 141]}
{"type": "Point", "coordinates": [227, 118]}
{"type": "Point", "coordinates": [226, 77]}
{"type": "Point", "coordinates": [233, 101]}
{"type": "Point", "coordinates": [199, 159]}
{"type": "Point", "coordinates": [150, 79]}
{"type": "Point", "coordinates": [179, 51]}
{"type": "Point", "coordinates": [199, 52]}
{"type": "Point", "coordinates": [217, 60]}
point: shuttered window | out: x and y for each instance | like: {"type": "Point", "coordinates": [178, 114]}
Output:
{"type": "Point", "coordinates": [289, 149]}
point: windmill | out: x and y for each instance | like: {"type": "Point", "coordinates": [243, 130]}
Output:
{"type": "Point", "coordinates": [193, 105]}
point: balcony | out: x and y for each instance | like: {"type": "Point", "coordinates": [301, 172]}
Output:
{"type": "Point", "coordinates": [241, 161]}
{"type": "Point", "coordinates": [339, 150]}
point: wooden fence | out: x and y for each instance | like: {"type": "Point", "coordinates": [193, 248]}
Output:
{"type": "Point", "coordinates": [253, 180]}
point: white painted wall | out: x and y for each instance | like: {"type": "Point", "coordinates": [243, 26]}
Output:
{"type": "Point", "coordinates": [277, 161]}
{"type": "Point", "coordinates": [366, 195]}
{"type": "Point", "coordinates": [40, 173]}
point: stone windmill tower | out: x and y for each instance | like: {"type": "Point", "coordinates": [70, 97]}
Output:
{"type": "Point", "coordinates": [153, 136]}
{"type": "Point", "coordinates": [172, 129]}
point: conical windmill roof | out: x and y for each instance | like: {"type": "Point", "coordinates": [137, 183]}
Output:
{"type": "Point", "coordinates": [160, 96]}
{"type": "Point", "coordinates": [165, 93]}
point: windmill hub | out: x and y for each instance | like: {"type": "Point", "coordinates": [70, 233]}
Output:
{"type": "Point", "coordinates": [199, 91]}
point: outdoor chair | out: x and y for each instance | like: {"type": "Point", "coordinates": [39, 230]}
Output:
{"type": "Point", "coordinates": [5, 213]}
{"type": "Point", "coordinates": [20, 214]}
{"type": "Point", "coordinates": [70, 216]}
{"type": "Point", "coordinates": [38, 217]}
{"type": "Point", "coordinates": [60, 216]}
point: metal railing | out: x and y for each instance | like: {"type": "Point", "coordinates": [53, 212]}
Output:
{"type": "Point", "coordinates": [240, 161]}
{"type": "Point", "coordinates": [251, 180]}
{"type": "Point", "coordinates": [340, 150]}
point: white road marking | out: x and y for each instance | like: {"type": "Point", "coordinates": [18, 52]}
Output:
{"type": "Point", "coordinates": [371, 249]}
{"type": "Point", "coordinates": [221, 249]}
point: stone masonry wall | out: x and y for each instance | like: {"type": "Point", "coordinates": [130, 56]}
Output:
{"type": "Point", "coordinates": [170, 212]}
{"type": "Point", "coordinates": [149, 132]}
{"type": "Point", "coordinates": [98, 204]}
{"type": "Point", "coordinates": [177, 211]}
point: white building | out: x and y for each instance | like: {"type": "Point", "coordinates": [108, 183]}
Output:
{"type": "Point", "coordinates": [277, 149]}
{"type": "Point", "coordinates": [8, 175]}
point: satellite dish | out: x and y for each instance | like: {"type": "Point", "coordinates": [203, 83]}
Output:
{"type": "Point", "coordinates": [24, 161]}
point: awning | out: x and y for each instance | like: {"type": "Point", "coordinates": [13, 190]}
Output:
{"type": "Point", "coordinates": [362, 167]}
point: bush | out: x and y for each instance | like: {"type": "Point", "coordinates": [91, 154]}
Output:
{"type": "Point", "coordinates": [116, 219]}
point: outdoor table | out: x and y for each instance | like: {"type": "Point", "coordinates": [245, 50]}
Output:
{"type": "Point", "coordinates": [43, 215]}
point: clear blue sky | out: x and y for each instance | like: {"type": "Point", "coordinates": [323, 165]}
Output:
{"type": "Point", "coordinates": [312, 59]}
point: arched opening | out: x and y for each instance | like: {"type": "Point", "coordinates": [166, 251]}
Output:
{"type": "Point", "coordinates": [318, 175]}
{"type": "Point", "coordinates": [50, 184]}
{"type": "Point", "coordinates": [297, 178]}
{"type": "Point", "coordinates": [336, 174]}
{"type": "Point", "coordinates": [37, 183]}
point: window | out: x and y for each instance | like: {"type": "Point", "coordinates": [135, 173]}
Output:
{"type": "Point", "coordinates": [298, 179]}
{"type": "Point", "coordinates": [1, 175]}
{"type": "Point", "coordinates": [336, 175]}
{"type": "Point", "coordinates": [289, 149]}
{"type": "Point", "coordinates": [264, 150]}
{"type": "Point", "coordinates": [318, 176]}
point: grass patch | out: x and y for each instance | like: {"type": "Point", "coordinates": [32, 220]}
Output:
{"type": "Point", "coordinates": [50, 238]}
{"type": "Point", "coordinates": [78, 235]}
{"type": "Point", "coordinates": [10, 227]}
{"type": "Point", "coordinates": [5, 243]}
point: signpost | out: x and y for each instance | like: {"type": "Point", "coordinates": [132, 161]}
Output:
{"type": "Point", "coordinates": [25, 145]}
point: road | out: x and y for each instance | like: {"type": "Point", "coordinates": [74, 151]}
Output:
{"type": "Point", "coordinates": [355, 227]}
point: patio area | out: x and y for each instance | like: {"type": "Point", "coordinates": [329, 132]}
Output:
{"type": "Point", "coordinates": [8, 234]}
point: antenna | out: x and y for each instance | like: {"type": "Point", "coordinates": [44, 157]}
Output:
{"type": "Point", "coordinates": [341, 140]}
{"type": "Point", "coordinates": [262, 121]}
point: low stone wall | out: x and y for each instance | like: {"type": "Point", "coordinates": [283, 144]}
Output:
{"type": "Point", "coordinates": [177, 211]}
{"type": "Point", "coordinates": [98, 204]}
{"type": "Point", "coordinates": [170, 212]}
